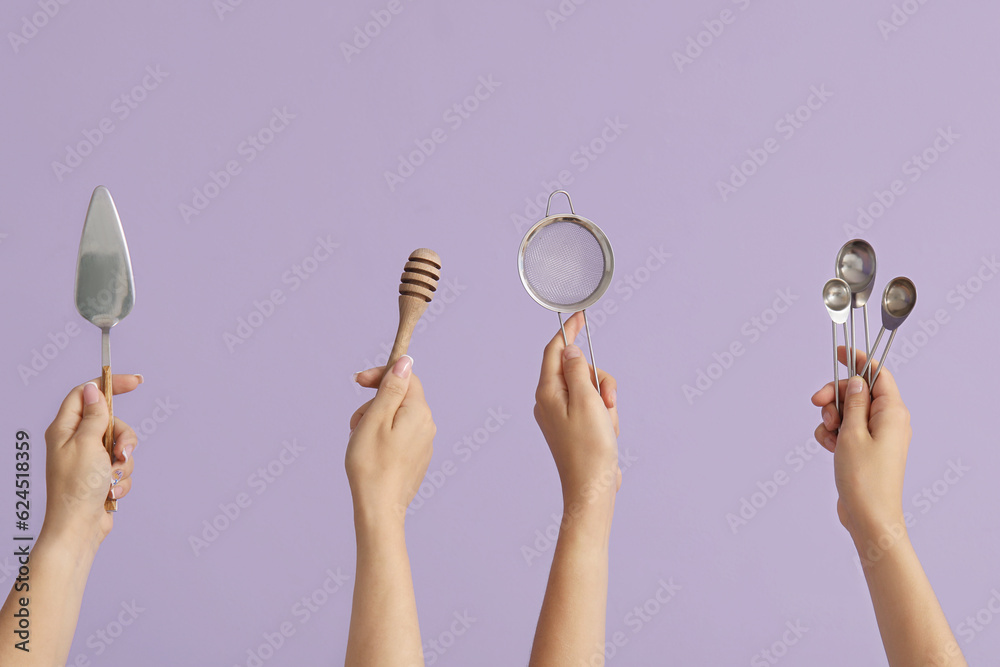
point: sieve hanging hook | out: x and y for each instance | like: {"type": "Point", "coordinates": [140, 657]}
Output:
{"type": "Point", "coordinates": [548, 203]}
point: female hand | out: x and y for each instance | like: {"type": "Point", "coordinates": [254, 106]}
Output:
{"type": "Point", "coordinates": [579, 424]}
{"type": "Point", "coordinates": [79, 474]}
{"type": "Point", "coordinates": [869, 454]}
{"type": "Point", "coordinates": [391, 442]}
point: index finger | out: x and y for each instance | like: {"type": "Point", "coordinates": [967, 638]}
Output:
{"type": "Point", "coordinates": [67, 420]}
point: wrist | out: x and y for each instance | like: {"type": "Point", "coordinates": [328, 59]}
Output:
{"type": "Point", "coordinates": [74, 549]}
{"type": "Point", "coordinates": [877, 539]}
{"type": "Point", "coordinates": [379, 517]}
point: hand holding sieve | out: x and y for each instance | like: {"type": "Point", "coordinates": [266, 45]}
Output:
{"type": "Point", "coordinates": [566, 264]}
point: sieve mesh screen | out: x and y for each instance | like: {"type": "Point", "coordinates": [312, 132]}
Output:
{"type": "Point", "coordinates": [563, 263]}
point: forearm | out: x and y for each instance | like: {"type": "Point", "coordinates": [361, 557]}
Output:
{"type": "Point", "coordinates": [571, 623]}
{"type": "Point", "coordinates": [914, 629]}
{"type": "Point", "coordinates": [52, 592]}
{"type": "Point", "coordinates": [384, 628]}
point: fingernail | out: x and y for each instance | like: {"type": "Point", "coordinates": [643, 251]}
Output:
{"type": "Point", "coordinates": [114, 491]}
{"type": "Point", "coordinates": [571, 352]}
{"type": "Point", "coordinates": [354, 378]}
{"type": "Point", "coordinates": [91, 394]}
{"type": "Point", "coordinates": [828, 420]}
{"type": "Point", "coordinates": [855, 385]}
{"type": "Point", "coordinates": [118, 477]}
{"type": "Point", "coordinates": [402, 367]}
{"type": "Point", "coordinates": [141, 379]}
{"type": "Point", "coordinates": [613, 396]}
{"type": "Point", "coordinates": [127, 451]}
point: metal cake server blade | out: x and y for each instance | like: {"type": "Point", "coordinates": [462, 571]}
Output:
{"type": "Point", "coordinates": [105, 290]}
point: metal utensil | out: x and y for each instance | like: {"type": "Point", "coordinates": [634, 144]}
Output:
{"type": "Point", "coordinates": [856, 265]}
{"type": "Point", "coordinates": [837, 299]}
{"type": "Point", "coordinates": [898, 300]}
{"type": "Point", "coordinates": [105, 291]}
{"type": "Point", "coordinates": [566, 264]}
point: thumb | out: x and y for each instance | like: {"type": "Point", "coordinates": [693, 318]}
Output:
{"type": "Point", "coordinates": [576, 370]}
{"type": "Point", "coordinates": [392, 390]}
{"type": "Point", "coordinates": [94, 421]}
{"type": "Point", "coordinates": [856, 406]}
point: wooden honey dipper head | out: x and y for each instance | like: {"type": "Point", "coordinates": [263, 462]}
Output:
{"type": "Point", "coordinates": [416, 289]}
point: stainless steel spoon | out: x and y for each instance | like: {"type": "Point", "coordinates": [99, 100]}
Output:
{"type": "Point", "coordinates": [898, 300]}
{"type": "Point", "coordinates": [837, 299]}
{"type": "Point", "coordinates": [856, 265]}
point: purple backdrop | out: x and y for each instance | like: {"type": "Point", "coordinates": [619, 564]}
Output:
{"type": "Point", "coordinates": [273, 163]}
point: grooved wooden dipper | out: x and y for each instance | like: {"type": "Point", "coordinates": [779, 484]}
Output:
{"type": "Point", "coordinates": [416, 289]}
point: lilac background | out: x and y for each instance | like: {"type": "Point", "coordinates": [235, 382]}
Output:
{"type": "Point", "coordinates": [654, 186]}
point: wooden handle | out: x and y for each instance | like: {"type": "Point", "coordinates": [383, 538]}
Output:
{"type": "Point", "coordinates": [109, 435]}
{"type": "Point", "coordinates": [416, 289]}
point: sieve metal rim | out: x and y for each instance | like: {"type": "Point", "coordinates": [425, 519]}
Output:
{"type": "Point", "coordinates": [602, 240]}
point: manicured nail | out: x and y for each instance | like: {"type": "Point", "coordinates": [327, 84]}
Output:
{"type": "Point", "coordinates": [828, 420]}
{"type": "Point", "coordinates": [118, 477]}
{"type": "Point", "coordinates": [571, 352]}
{"type": "Point", "coordinates": [354, 378]}
{"type": "Point", "coordinates": [91, 393]}
{"type": "Point", "coordinates": [402, 367]}
{"type": "Point", "coordinates": [613, 396]}
{"type": "Point", "coordinates": [114, 491]}
{"type": "Point", "coordinates": [127, 451]}
{"type": "Point", "coordinates": [855, 385]}
{"type": "Point", "coordinates": [141, 379]}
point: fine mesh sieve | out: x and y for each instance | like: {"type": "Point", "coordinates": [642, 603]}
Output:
{"type": "Point", "coordinates": [566, 264]}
